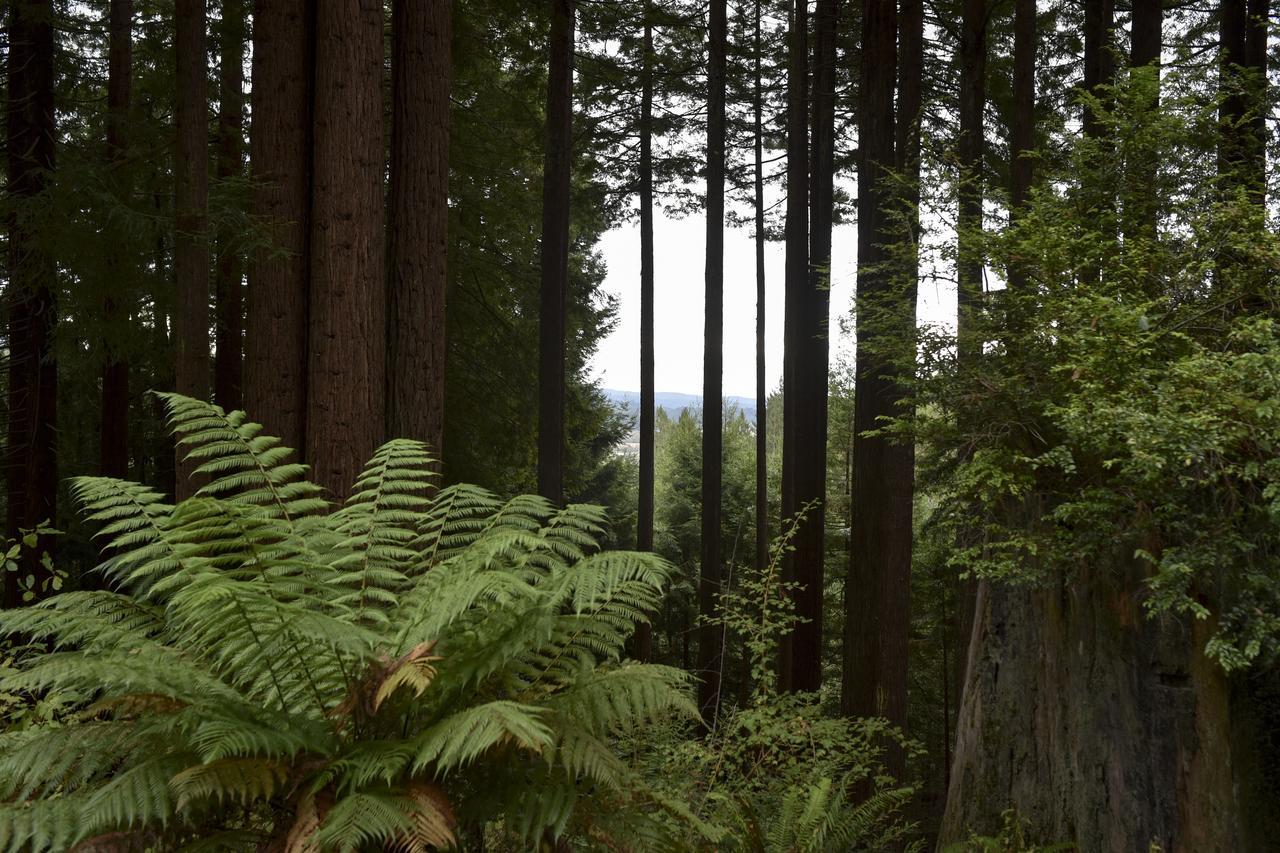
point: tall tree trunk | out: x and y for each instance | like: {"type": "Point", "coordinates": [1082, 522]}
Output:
{"type": "Point", "coordinates": [1099, 58]}
{"type": "Point", "coordinates": [810, 413]}
{"type": "Point", "coordinates": [1242, 75]}
{"type": "Point", "coordinates": [1023, 136]}
{"type": "Point", "coordinates": [711, 636]}
{"type": "Point", "coordinates": [31, 450]}
{"type": "Point", "coordinates": [762, 390]}
{"type": "Point", "coordinates": [795, 277]}
{"type": "Point", "coordinates": [421, 69]}
{"type": "Point", "coordinates": [228, 285]}
{"type": "Point", "coordinates": [275, 369]}
{"type": "Point", "coordinates": [973, 75]}
{"type": "Point", "coordinates": [346, 375]}
{"type": "Point", "coordinates": [877, 594]}
{"type": "Point", "coordinates": [113, 448]}
{"type": "Point", "coordinates": [644, 534]}
{"type": "Point", "coordinates": [557, 166]}
{"type": "Point", "coordinates": [191, 203]}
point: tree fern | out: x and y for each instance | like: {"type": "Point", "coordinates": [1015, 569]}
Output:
{"type": "Point", "coordinates": [271, 670]}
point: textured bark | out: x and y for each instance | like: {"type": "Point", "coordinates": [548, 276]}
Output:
{"type": "Point", "coordinates": [795, 276]}
{"type": "Point", "coordinates": [1099, 725]}
{"type": "Point", "coordinates": [877, 594]}
{"type": "Point", "coordinates": [31, 461]}
{"type": "Point", "coordinates": [1099, 57]}
{"type": "Point", "coordinates": [644, 524]}
{"type": "Point", "coordinates": [762, 389]}
{"type": "Point", "coordinates": [191, 204]}
{"type": "Point", "coordinates": [346, 365]}
{"type": "Point", "coordinates": [113, 447]}
{"type": "Point", "coordinates": [557, 167]}
{"type": "Point", "coordinates": [228, 366]}
{"type": "Point", "coordinates": [810, 374]}
{"type": "Point", "coordinates": [711, 636]}
{"type": "Point", "coordinates": [420, 66]}
{"type": "Point", "coordinates": [275, 369]}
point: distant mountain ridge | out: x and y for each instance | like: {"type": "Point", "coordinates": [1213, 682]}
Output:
{"type": "Point", "coordinates": [674, 402]}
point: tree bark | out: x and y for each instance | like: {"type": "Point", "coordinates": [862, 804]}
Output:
{"type": "Point", "coordinates": [421, 68]}
{"type": "Point", "coordinates": [644, 531]}
{"type": "Point", "coordinates": [191, 201]}
{"type": "Point", "coordinates": [1099, 58]}
{"type": "Point", "coordinates": [973, 75]}
{"type": "Point", "coordinates": [1078, 709]}
{"type": "Point", "coordinates": [1242, 76]}
{"type": "Point", "coordinates": [31, 449]}
{"type": "Point", "coordinates": [762, 390]}
{"type": "Point", "coordinates": [711, 636]}
{"type": "Point", "coordinates": [228, 366]}
{"type": "Point", "coordinates": [1023, 136]}
{"type": "Point", "coordinates": [557, 169]}
{"type": "Point", "coordinates": [810, 434]}
{"type": "Point", "coordinates": [795, 279]}
{"type": "Point", "coordinates": [275, 369]}
{"type": "Point", "coordinates": [113, 448]}
{"type": "Point", "coordinates": [877, 593]}
{"type": "Point", "coordinates": [346, 376]}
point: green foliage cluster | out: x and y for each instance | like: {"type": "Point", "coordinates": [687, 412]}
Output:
{"type": "Point", "coordinates": [1124, 415]}
{"type": "Point", "coordinates": [391, 672]}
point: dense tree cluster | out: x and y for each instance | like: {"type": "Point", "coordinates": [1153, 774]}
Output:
{"type": "Point", "coordinates": [1003, 581]}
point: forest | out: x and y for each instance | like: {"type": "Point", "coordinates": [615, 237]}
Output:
{"type": "Point", "coordinates": [322, 533]}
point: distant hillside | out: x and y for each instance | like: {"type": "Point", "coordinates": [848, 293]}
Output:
{"type": "Point", "coordinates": [674, 403]}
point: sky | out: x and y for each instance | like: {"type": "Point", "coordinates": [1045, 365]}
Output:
{"type": "Point", "coordinates": [678, 302]}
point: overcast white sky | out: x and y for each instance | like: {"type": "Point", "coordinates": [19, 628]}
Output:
{"type": "Point", "coordinates": [678, 301]}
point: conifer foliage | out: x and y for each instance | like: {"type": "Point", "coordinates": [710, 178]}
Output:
{"type": "Point", "coordinates": [275, 673]}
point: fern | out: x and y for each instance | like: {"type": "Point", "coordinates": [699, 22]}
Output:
{"type": "Point", "coordinates": [271, 670]}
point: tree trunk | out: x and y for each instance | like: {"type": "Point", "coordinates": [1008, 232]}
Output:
{"type": "Point", "coordinates": [228, 366]}
{"type": "Point", "coordinates": [877, 594]}
{"type": "Point", "coordinates": [191, 204]}
{"type": "Point", "coordinates": [31, 449]}
{"type": "Point", "coordinates": [810, 413]}
{"type": "Point", "coordinates": [1242, 75]}
{"type": "Point", "coordinates": [762, 390]}
{"type": "Point", "coordinates": [644, 532]}
{"type": "Point", "coordinates": [420, 65]}
{"type": "Point", "coordinates": [113, 448]}
{"type": "Point", "coordinates": [1098, 724]}
{"type": "Point", "coordinates": [710, 635]}
{"type": "Point", "coordinates": [973, 75]}
{"type": "Point", "coordinates": [1141, 211]}
{"type": "Point", "coordinates": [346, 376]}
{"type": "Point", "coordinates": [557, 166]}
{"type": "Point", "coordinates": [1099, 59]}
{"type": "Point", "coordinates": [795, 273]}
{"type": "Point", "coordinates": [1023, 132]}
{"type": "Point", "coordinates": [275, 369]}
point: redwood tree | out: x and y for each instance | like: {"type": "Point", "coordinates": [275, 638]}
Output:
{"type": "Point", "coordinates": [113, 455]}
{"type": "Point", "coordinates": [420, 75]}
{"type": "Point", "coordinates": [809, 457]}
{"type": "Point", "coordinates": [557, 166]}
{"type": "Point", "coordinates": [795, 274]}
{"type": "Point", "coordinates": [275, 369]}
{"type": "Point", "coordinates": [228, 367]}
{"type": "Point", "coordinates": [191, 202]}
{"type": "Point", "coordinates": [710, 635]}
{"type": "Point", "coordinates": [346, 375]}
{"type": "Point", "coordinates": [877, 592]}
{"type": "Point", "coordinates": [31, 464]}
{"type": "Point", "coordinates": [644, 524]}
